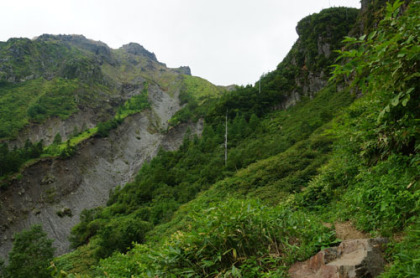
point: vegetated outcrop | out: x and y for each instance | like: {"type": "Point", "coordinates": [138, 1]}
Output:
{"type": "Point", "coordinates": [306, 68]}
{"type": "Point", "coordinates": [371, 12]}
{"type": "Point", "coordinates": [287, 172]}
{"type": "Point", "coordinates": [101, 80]}
{"type": "Point", "coordinates": [53, 191]}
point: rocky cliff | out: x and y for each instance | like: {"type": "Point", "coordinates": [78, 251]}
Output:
{"type": "Point", "coordinates": [306, 68]}
{"type": "Point", "coordinates": [54, 191]}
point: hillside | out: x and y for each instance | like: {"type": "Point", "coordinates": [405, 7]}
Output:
{"type": "Point", "coordinates": [332, 138]}
{"type": "Point", "coordinates": [78, 119]}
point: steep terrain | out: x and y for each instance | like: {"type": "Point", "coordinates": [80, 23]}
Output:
{"type": "Point", "coordinates": [324, 141]}
{"type": "Point", "coordinates": [331, 156]}
{"type": "Point", "coordinates": [54, 191]}
{"type": "Point", "coordinates": [67, 83]}
{"type": "Point", "coordinates": [51, 186]}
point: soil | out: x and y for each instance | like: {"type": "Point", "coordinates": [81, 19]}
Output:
{"type": "Point", "coordinates": [346, 230]}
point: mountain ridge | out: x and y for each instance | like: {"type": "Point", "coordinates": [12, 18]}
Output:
{"type": "Point", "coordinates": [251, 186]}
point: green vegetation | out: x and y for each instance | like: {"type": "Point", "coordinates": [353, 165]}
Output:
{"type": "Point", "coordinates": [35, 101]}
{"type": "Point", "coordinates": [173, 178]}
{"type": "Point", "coordinates": [11, 161]}
{"type": "Point", "coordinates": [31, 255]}
{"type": "Point", "coordinates": [327, 159]}
{"type": "Point", "coordinates": [231, 238]}
{"type": "Point", "coordinates": [197, 95]}
{"type": "Point", "coordinates": [312, 54]}
{"type": "Point", "coordinates": [331, 157]}
{"type": "Point", "coordinates": [135, 104]}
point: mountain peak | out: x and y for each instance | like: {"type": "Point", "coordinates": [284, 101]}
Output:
{"type": "Point", "coordinates": [137, 49]}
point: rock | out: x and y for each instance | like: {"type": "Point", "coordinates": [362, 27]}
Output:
{"type": "Point", "coordinates": [137, 49]}
{"type": "Point", "coordinates": [183, 70]}
{"type": "Point", "coordinates": [84, 180]}
{"type": "Point", "coordinates": [351, 259]}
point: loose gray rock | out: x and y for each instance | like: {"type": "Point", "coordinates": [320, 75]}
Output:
{"type": "Point", "coordinates": [358, 258]}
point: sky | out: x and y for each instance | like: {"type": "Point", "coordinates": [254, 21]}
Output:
{"type": "Point", "coordinates": [224, 41]}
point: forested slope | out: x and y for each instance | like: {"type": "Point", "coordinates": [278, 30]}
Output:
{"type": "Point", "coordinates": [332, 157]}
{"type": "Point", "coordinates": [325, 141]}
{"type": "Point", "coordinates": [77, 119]}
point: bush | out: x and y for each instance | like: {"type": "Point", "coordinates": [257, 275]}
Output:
{"type": "Point", "coordinates": [234, 236]}
{"type": "Point", "coordinates": [120, 235]}
{"type": "Point", "coordinates": [31, 254]}
{"type": "Point", "coordinates": [406, 256]}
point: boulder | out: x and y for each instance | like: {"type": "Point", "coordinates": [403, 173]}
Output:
{"type": "Point", "coordinates": [358, 258]}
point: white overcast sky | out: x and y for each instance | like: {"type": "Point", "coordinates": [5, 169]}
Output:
{"type": "Point", "coordinates": [223, 41]}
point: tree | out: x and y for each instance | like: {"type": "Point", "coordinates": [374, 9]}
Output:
{"type": "Point", "coordinates": [57, 139]}
{"type": "Point", "coordinates": [31, 254]}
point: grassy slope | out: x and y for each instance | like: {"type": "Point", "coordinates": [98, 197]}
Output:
{"type": "Point", "coordinates": [312, 170]}
{"type": "Point", "coordinates": [35, 100]}
{"type": "Point", "coordinates": [271, 178]}
{"type": "Point", "coordinates": [287, 172]}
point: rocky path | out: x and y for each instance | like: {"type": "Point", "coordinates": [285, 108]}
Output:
{"type": "Point", "coordinates": [355, 257]}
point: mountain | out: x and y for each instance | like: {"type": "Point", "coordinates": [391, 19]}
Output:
{"type": "Point", "coordinates": [109, 110]}
{"type": "Point", "coordinates": [269, 176]}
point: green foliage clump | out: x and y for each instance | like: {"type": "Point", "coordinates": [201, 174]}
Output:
{"type": "Point", "coordinates": [240, 238]}
{"type": "Point", "coordinates": [35, 101]}
{"type": "Point", "coordinates": [31, 255]}
{"type": "Point", "coordinates": [197, 95]}
{"type": "Point", "coordinates": [58, 100]}
{"type": "Point", "coordinates": [406, 255]}
{"type": "Point", "coordinates": [385, 68]}
{"type": "Point", "coordinates": [12, 160]}
{"type": "Point", "coordinates": [135, 104]}
{"type": "Point", "coordinates": [385, 197]}
{"type": "Point", "coordinates": [86, 228]}
{"type": "Point", "coordinates": [325, 28]}
{"type": "Point", "coordinates": [105, 127]}
{"type": "Point", "coordinates": [120, 235]}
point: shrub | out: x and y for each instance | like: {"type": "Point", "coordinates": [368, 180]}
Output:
{"type": "Point", "coordinates": [234, 236]}
{"type": "Point", "coordinates": [31, 254]}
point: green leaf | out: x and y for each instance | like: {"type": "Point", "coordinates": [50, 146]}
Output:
{"type": "Point", "coordinates": [395, 101]}
{"type": "Point", "coordinates": [372, 35]}
{"type": "Point", "coordinates": [236, 272]}
{"type": "Point", "coordinates": [409, 91]}
{"type": "Point", "coordinates": [405, 100]}
{"type": "Point", "coordinates": [349, 39]}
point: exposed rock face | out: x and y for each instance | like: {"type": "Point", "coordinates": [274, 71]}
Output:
{"type": "Point", "coordinates": [183, 70]}
{"type": "Point", "coordinates": [47, 130]}
{"type": "Point", "coordinates": [99, 49]}
{"type": "Point", "coordinates": [359, 258]}
{"type": "Point", "coordinates": [137, 49]}
{"type": "Point", "coordinates": [53, 192]}
{"type": "Point", "coordinates": [310, 58]}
